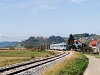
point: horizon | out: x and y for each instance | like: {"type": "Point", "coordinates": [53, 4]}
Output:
{"type": "Point", "coordinates": [21, 19]}
{"type": "Point", "coordinates": [9, 39]}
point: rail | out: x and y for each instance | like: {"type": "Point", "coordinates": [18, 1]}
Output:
{"type": "Point", "coordinates": [15, 69]}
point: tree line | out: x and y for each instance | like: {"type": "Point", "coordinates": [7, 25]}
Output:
{"type": "Point", "coordinates": [44, 42]}
{"type": "Point", "coordinates": [41, 42]}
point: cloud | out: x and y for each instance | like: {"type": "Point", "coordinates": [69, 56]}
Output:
{"type": "Point", "coordinates": [7, 0]}
{"type": "Point", "coordinates": [45, 7]}
{"type": "Point", "coordinates": [41, 8]}
{"type": "Point", "coordinates": [33, 6]}
{"type": "Point", "coordinates": [0, 35]}
{"type": "Point", "coordinates": [78, 1]}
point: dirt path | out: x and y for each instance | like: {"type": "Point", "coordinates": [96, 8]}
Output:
{"type": "Point", "coordinates": [93, 66]}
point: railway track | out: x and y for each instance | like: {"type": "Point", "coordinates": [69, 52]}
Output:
{"type": "Point", "coordinates": [13, 70]}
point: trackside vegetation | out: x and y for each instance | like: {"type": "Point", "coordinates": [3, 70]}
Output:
{"type": "Point", "coordinates": [74, 65]}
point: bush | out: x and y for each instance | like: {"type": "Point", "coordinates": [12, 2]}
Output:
{"type": "Point", "coordinates": [47, 56]}
{"type": "Point", "coordinates": [32, 56]}
{"type": "Point", "coordinates": [51, 52]}
{"type": "Point", "coordinates": [40, 50]}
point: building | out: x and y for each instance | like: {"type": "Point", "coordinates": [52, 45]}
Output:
{"type": "Point", "coordinates": [77, 44]}
{"type": "Point", "coordinates": [93, 44]}
{"type": "Point", "coordinates": [98, 47]}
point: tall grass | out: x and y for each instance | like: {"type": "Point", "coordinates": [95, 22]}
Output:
{"type": "Point", "coordinates": [75, 65]}
{"type": "Point", "coordinates": [22, 53]}
{"type": "Point", "coordinates": [13, 61]}
{"type": "Point", "coordinates": [8, 57]}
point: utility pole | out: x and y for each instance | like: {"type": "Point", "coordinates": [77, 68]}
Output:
{"type": "Point", "coordinates": [46, 43]}
{"type": "Point", "coordinates": [40, 43]}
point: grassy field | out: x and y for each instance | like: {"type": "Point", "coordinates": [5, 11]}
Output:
{"type": "Point", "coordinates": [8, 57]}
{"type": "Point", "coordinates": [75, 65]}
{"type": "Point", "coordinates": [22, 53]}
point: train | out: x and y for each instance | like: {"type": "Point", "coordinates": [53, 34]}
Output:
{"type": "Point", "coordinates": [59, 46]}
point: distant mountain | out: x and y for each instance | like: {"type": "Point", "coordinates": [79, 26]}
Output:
{"type": "Point", "coordinates": [8, 44]}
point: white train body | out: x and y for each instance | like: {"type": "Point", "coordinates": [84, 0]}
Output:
{"type": "Point", "coordinates": [60, 46]}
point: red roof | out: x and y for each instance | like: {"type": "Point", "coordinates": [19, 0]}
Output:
{"type": "Point", "coordinates": [93, 42]}
{"type": "Point", "coordinates": [75, 41]}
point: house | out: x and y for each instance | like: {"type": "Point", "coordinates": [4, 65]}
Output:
{"type": "Point", "coordinates": [93, 44]}
{"type": "Point", "coordinates": [98, 47]}
{"type": "Point", "coordinates": [77, 44]}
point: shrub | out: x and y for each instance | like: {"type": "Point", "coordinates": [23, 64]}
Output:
{"type": "Point", "coordinates": [51, 52]}
{"type": "Point", "coordinates": [32, 56]}
{"type": "Point", "coordinates": [47, 56]}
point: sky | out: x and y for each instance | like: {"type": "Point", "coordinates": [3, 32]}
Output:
{"type": "Point", "coordinates": [20, 19]}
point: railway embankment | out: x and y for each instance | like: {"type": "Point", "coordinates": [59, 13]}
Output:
{"type": "Point", "coordinates": [33, 67]}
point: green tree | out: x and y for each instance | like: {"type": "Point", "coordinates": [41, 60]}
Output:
{"type": "Point", "coordinates": [55, 39]}
{"type": "Point", "coordinates": [70, 41]}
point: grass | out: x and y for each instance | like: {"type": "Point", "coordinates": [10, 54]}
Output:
{"type": "Point", "coordinates": [8, 57]}
{"type": "Point", "coordinates": [75, 65]}
{"type": "Point", "coordinates": [95, 55]}
{"type": "Point", "coordinates": [22, 53]}
{"type": "Point", "coordinates": [12, 60]}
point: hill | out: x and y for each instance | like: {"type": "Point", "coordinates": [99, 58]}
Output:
{"type": "Point", "coordinates": [8, 44]}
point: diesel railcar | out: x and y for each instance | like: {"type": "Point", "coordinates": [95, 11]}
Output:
{"type": "Point", "coordinates": [59, 46]}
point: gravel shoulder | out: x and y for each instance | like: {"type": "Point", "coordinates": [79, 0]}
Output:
{"type": "Point", "coordinates": [93, 66]}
